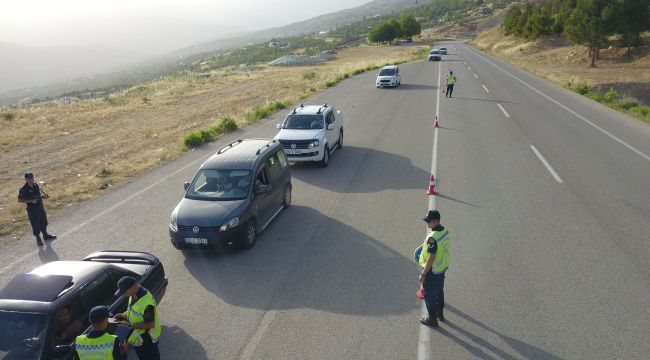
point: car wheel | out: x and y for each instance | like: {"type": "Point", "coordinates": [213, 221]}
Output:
{"type": "Point", "coordinates": [287, 197]}
{"type": "Point", "coordinates": [326, 157]}
{"type": "Point", "coordinates": [249, 236]}
{"type": "Point", "coordinates": [340, 142]}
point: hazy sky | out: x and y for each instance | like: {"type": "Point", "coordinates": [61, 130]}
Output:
{"type": "Point", "coordinates": [109, 22]}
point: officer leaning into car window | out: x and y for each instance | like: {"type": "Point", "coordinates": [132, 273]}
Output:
{"type": "Point", "coordinates": [98, 344]}
{"type": "Point", "coordinates": [434, 260]}
{"type": "Point", "coordinates": [30, 194]}
{"type": "Point", "coordinates": [142, 316]}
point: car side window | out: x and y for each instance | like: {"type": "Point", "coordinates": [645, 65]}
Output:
{"type": "Point", "coordinates": [273, 164]}
{"type": "Point", "coordinates": [262, 177]}
{"type": "Point", "coordinates": [69, 322]}
{"type": "Point", "coordinates": [101, 290]}
{"type": "Point", "coordinates": [330, 117]}
{"type": "Point", "coordinates": [283, 159]}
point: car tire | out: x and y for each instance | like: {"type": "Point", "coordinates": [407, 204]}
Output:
{"type": "Point", "coordinates": [339, 145]}
{"type": "Point", "coordinates": [286, 201]}
{"type": "Point", "coordinates": [250, 236]}
{"type": "Point", "coordinates": [326, 157]}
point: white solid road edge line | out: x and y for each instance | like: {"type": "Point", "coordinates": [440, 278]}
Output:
{"type": "Point", "coordinates": [647, 157]}
{"type": "Point", "coordinates": [548, 166]}
{"type": "Point", "coordinates": [503, 110]}
{"type": "Point", "coordinates": [485, 88]}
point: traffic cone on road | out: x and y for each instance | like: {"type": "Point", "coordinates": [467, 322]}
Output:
{"type": "Point", "coordinates": [435, 123]}
{"type": "Point", "coordinates": [432, 186]}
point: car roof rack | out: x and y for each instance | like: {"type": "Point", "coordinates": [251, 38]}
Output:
{"type": "Point", "coordinates": [229, 146]}
{"type": "Point", "coordinates": [320, 109]}
{"type": "Point", "coordinates": [296, 108]}
{"type": "Point", "coordinates": [263, 148]}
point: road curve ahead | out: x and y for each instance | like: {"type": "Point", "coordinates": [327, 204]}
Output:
{"type": "Point", "coordinates": [545, 193]}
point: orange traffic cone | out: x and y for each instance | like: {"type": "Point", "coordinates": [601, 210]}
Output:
{"type": "Point", "coordinates": [432, 186]}
{"type": "Point", "coordinates": [435, 124]}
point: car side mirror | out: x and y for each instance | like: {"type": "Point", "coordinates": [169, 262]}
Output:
{"type": "Point", "coordinates": [330, 126]}
{"type": "Point", "coordinates": [262, 189]}
{"type": "Point", "coordinates": [278, 126]}
{"type": "Point", "coordinates": [186, 185]}
{"type": "Point", "coordinates": [61, 351]}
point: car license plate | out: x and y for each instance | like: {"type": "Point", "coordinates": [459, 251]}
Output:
{"type": "Point", "coordinates": [196, 241]}
{"type": "Point", "coordinates": [291, 152]}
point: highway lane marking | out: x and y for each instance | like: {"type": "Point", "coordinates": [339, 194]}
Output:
{"type": "Point", "coordinates": [424, 336]}
{"type": "Point", "coordinates": [485, 88]}
{"type": "Point", "coordinates": [548, 166]}
{"type": "Point", "coordinates": [469, 68]}
{"type": "Point", "coordinates": [503, 110]}
{"type": "Point", "coordinates": [476, 76]}
{"type": "Point", "coordinates": [116, 205]}
{"type": "Point", "coordinates": [643, 155]}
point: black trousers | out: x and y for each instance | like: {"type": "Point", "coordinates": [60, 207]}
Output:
{"type": "Point", "coordinates": [38, 219]}
{"type": "Point", "coordinates": [434, 293]}
{"type": "Point", "coordinates": [450, 89]}
{"type": "Point", "coordinates": [148, 350]}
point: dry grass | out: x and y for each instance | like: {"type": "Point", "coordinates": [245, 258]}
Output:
{"type": "Point", "coordinates": [562, 62]}
{"type": "Point", "coordinates": [78, 147]}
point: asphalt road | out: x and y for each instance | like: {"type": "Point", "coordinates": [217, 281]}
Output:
{"type": "Point", "coordinates": [545, 192]}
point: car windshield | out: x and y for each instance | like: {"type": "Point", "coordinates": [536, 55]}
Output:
{"type": "Point", "coordinates": [387, 72]}
{"type": "Point", "coordinates": [22, 335]}
{"type": "Point", "coordinates": [434, 52]}
{"type": "Point", "coordinates": [303, 122]}
{"type": "Point", "coordinates": [212, 184]}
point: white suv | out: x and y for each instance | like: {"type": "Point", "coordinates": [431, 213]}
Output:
{"type": "Point", "coordinates": [311, 133]}
{"type": "Point", "coordinates": [388, 76]}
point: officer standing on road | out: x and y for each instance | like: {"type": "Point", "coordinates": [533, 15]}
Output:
{"type": "Point", "coordinates": [30, 194]}
{"type": "Point", "coordinates": [142, 316]}
{"type": "Point", "coordinates": [434, 259]}
{"type": "Point", "coordinates": [451, 80]}
{"type": "Point", "coordinates": [98, 344]}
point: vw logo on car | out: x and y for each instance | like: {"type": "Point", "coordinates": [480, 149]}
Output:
{"type": "Point", "coordinates": [293, 146]}
{"type": "Point", "coordinates": [196, 229]}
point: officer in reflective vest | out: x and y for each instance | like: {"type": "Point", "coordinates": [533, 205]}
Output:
{"type": "Point", "coordinates": [451, 81]}
{"type": "Point", "coordinates": [142, 316]}
{"type": "Point", "coordinates": [434, 260]}
{"type": "Point", "coordinates": [97, 344]}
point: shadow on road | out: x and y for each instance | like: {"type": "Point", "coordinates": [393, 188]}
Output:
{"type": "Point", "coordinates": [489, 100]}
{"type": "Point", "coordinates": [440, 195]}
{"type": "Point", "coordinates": [416, 87]}
{"type": "Point", "coordinates": [381, 171]}
{"type": "Point", "coordinates": [174, 340]}
{"type": "Point", "coordinates": [47, 254]}
{"type": "Point", "coordinates": [309, 260]}
{"type": "Point", "coordinates": [525, 350]}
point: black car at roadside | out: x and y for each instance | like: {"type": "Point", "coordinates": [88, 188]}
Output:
{"type": "Point", "coordinates": [234, 196]}
{"type": "Point", "coordinates": [43, 311]}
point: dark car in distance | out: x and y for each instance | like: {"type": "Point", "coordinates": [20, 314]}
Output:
{"type": "Point", "coordinates": [235, 195]}
{"type": "Point", "coordinates": [43, 311]}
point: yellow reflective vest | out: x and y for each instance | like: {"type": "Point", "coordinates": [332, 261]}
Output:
{"type": "Point", "coordinates": [441, 259]}
{"type": "Point", "coordinates": [451, 79]}
{"type": "Point", "coordinates": [135, 315]}
{"type": "Point", "coordinates": [100, 348]}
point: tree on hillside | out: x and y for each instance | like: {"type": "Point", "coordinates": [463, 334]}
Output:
{"type": "Point", "coordinates": [511, 20]}
{"type": "Point", "coordinates": [590, 23]}
{"type": "Point", "coordinates": [410, 26]}
{"type": "Point", "coordinates": [384, 32]}
{"type": "Point", "coordinates": [630, 21]}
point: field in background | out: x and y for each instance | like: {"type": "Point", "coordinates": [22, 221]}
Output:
{"type": "Point", "coordinates": [617, 81]}
{"type": "Point", "coordinates": [78, 149]}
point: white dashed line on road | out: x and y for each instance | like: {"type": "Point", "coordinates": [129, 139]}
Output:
{"type": "Point", "coordinates": [485, 88]}
{"type": "Point", "coordinates": [469, 68]}
{"type": "Point", "coordinates": [548, 166]}
{"type": "Point", "coordinates": [476, 76]}
{"type": "Point", "coordinates": [503, 110]}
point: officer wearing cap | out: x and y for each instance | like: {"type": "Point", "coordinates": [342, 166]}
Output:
{"type": "Point", "coordinates": [434, 260]}
{"type": "Point", "coordinates": [98, 344]}
{"type": "Point", "coordinates": [30, 194]}
{"type": "Point", "coordinates": [142, 316]}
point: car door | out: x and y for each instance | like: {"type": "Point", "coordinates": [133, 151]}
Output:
{"type": "Point", "coordinates": [332, 135]}
{"type": "Point", "coordinates": [262, 201]}
{"type": "Point", "coordinates": [397, 76]}
{"type": "Point", "coordinates": [77, 324]}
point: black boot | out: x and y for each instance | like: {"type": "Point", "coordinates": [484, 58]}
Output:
{"type": "Point", "coordinates": [429, 321]}
{"type": "Point", "coordinates": [441, 316]}
{"type": "Point", "coordinates": [47, 236]}
{"type": "Point", "coordinates": [39, 242]}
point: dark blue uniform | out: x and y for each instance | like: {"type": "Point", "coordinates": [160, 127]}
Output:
{"type": "Point", "coordinates": [35, 212]}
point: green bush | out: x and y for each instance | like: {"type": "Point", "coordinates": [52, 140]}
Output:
{"type": "Point", "coordinates": [628, 104]}
{"type": "Point", "coordinates": [193, 140]}
{"type": "Point", "coordinates": [225, 125]}
{"type": "Point", "coordinates": [309, 75]}
{"type": "Point", "coordinates": [582, 88]}
{"type": "Point", "coordinates": [8, 116]}
{"type": "Point", "coordinates": [610, 96]}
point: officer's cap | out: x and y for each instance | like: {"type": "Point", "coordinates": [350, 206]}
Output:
{"type": "Point", "coordinates": [432, 215]}
{"type": "Point", "coordinates": [98, 314]}
{"type": "Point", "coordinates": [124, 284]}
{"type": "Point", "coordinates": [29, 175]}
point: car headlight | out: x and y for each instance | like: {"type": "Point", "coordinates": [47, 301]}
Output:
{"type": "Point", "coordinates": [314, 144]}
{"type": "Point", "coordinates": [173, 222]}
{"type": "Point", "coordinates": [229, 225]}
